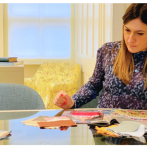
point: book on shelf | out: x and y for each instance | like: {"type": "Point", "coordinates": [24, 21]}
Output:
{"type": "Point", "coordinates": [11, 63]}
{"type": "Point", "coordinates": [8, 59]}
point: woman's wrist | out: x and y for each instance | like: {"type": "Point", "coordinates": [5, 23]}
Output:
{"type": "Point", "coordinates": [73, 104]}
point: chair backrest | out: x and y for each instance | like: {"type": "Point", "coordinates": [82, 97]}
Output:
{"type": "Point", "coordinates": [65, 71]}
{"type": "Point", "coordinates": [19, 97]}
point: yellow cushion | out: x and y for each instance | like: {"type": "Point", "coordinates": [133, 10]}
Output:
{"type": "Point", "coordinates": [52, 77]}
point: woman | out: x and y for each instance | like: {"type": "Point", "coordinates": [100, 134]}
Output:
{"type": "Point", "coordinates": [120, 71]}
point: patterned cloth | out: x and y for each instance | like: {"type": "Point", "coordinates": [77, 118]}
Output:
{"type": "Point", "coordinates": [115, 94]}
{"type": "Point", "coordinates": [52, 77]}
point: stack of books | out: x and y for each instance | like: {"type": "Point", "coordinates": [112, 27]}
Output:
{"type": "Point", "coordinates": [10, 61]}
{"type": "Point", "coordinates": [47, 122]}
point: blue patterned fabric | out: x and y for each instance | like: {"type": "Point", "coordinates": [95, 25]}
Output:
{"type": "Point", "coordinates": [19, 97]}
{"type": "Point", "coordinates": [115, 94]}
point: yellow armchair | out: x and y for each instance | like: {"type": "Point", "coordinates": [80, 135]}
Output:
{"type": "Point", "coordinates": [52, 77]}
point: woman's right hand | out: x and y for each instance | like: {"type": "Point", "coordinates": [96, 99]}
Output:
{"type": "Point", "coordinates": [63, 100]}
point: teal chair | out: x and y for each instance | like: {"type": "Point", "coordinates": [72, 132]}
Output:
{"type": "Point", "coordinates": [19, 97]}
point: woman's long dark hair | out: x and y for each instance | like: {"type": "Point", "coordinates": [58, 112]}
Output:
{"type": "Point", "coordinates": [124, 63]}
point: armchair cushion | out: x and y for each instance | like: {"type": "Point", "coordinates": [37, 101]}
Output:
{"type": "Point", "coordinates": [52, 77]}
{"type": "Point", "coordinates": [65, 86]}
{"type": "Point", "coordinates": [31, 82]}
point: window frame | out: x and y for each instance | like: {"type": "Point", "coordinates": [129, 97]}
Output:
{"type": "Point", "coordinates": [38, 61]}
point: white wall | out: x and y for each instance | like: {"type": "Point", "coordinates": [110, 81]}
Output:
{"type": "Point", "coordinates": [95, 25]}
{"type": "Point", "coordinates": [118, 12]}
{"type": "Point", "coordinates": [1, 30]}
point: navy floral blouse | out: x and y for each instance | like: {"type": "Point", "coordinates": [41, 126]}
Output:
{"type": "Point", "coordinates": [115, 94]}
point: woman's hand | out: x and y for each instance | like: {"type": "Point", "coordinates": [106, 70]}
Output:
{"type": "Point", "coordinates": [63, 100]}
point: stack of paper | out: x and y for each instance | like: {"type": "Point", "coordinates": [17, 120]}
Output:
{"type": "Point", "coordinates": [49, 122]}
{"type": "Point", "coordinates": [130, 129]}
{"type": "Point", "coordinates": [84, 116]}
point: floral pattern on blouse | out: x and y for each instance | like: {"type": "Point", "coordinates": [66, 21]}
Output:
{"type": "Point", "coordinates": [115, 94]}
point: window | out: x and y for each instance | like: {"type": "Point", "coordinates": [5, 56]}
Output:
{"type": "Point", "coordinates": [39, 30]}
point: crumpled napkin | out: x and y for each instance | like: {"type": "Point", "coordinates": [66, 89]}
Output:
{"type": "Point", "coordinates": [130, 128]}
{"type": "Point", "coordinates": [127, 126]}
{"type": "Point", "coordinates": [140, 131]}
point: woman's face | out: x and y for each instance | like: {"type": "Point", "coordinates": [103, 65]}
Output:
{"type": "Point", "coordinates": [135, 35]}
